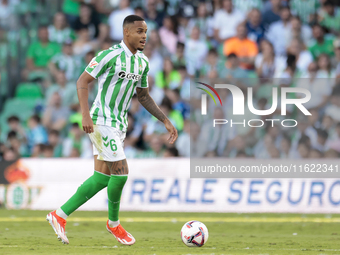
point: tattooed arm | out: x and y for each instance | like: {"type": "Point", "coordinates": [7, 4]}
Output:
{"type": "Point", "coordinates": [83, 96]}
{"type": "Point", "coordinates": [146, 100]}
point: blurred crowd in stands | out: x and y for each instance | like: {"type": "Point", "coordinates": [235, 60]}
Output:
{"type": "Point", "coordinates": [45, 46]}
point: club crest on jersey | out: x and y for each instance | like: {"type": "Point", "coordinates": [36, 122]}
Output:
{"type": "Point", "coordinates": [129, 76]}
{"type": "Point", "coordinates": [140, 68]}
{"type": "Point", "coordinates": [93, 64]}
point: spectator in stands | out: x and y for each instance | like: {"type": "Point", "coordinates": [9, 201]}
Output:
{"type": "Point", "coordinates": [156, 148]}
{"type": "Point", "coordinates": [196, 141]}
{"type": "Point", "coordinates": [156, 93]}
{"type": "Point", "coordinates": [157, 45]}
{"type": "Point", "coordinates": [55, 115]}
{"type": "Point", "coordinates": [66, 90]}
{"type": "Point", "coordinates": [87, 19]}
{"type": "Point", "coordinates": [36, 133]}
{"type": "Point", "coordinates": [171, 152]}
{"type": "Point", "coordinates": [210, 67]}
{"type": "Point", "coordinates": [245, 49]}
{"type": "Point", "coordinates": [333, 108]}
{"type": "Point", "coordinates": [177, 103]}
{"type": "Point", "coordinates": [331, 153]}
{"type": "Point", "coordinates": [116, 18]}
{"type": "Point", "coordinates": [285, 147]}
{"type": "Point", "coordinates": [65, 61]}
{"type": "Point", "coordinates": [84, 44]}
{"type": "Point", "coordinates": [15, 125]}
{"type": "Point", "coordinates": [7, 11]}
{"type": "Point", "coordinates": [71, 9]}
{"type": "Point", "coordinates": [10, 154]}
{"type": "Point", "coordinates": [321, 140]}
{"type": "Point", "coordinates": [188, 8]}
{"type": "Point", "coordinates": [40, 53]}
{"type": "Point", "coordinates": [168, 78]}
{"type": "Point", "coordinates": [303, 132]}
{"type": "Point", "coordinates": [246, 6]}
{"type": "Point", "coordinates": [272, 14]}
{"type": "Point", "coordinates": [215, 138]}
{"type": "Point", "coordinates": [299, 31]}
{"type": "Point", "coordinates": [254, 26]}
{"type": "Point", "coordinates": [184, 139]}
{"type": "Point", "coordinates": [232, 71]}
{"type": "Point", "coordinates": [237, 146]}
{"type": "Point", "coordinates": [178, 59]}
{"type": "Point", "coordinates": [174, 115]}
{"type": "Point", "coordinates": [337, 58]}
{"type": "Point", "coordinates": [59, 31]}
{"type": "Point", "coordinates": [133, 135]}
{"type": "Point", "coordinates": [47, 151]}
{"type": "Point", "coordinates": [325, 68]}
{"type": "Point", "coordinates": [171, 34]}
{"type": "Point", "coordinates": [54, 140]}
{"type": "Point", "coordinates": [203, 21]}
{"type": "Point", "coordinates": [319, 88]}
{"type": "Point", "coordinates": [289, 73]}
{"type": "Point", "coordinates": [328, 123]}
{"type": "Point", "coordinates": [279, 32]}
{"type": "Point", "coordinates": [304, 9]}
{"type": "Point", "coordinates": [314, 119]}
{"type": "Point", "coordinates": [329, 18]}
{"type": "Point", "coordinates": [303, 57]}
{"type": "Point", "coordinates": [14, 142]}
{"type": "Point", "coordinates": [155, 59]}
{"type": "Point", "coordinates": [77, 142]}
{"type": "Point", "coordinates": [152, 25]}
{"type": "Point", "coordinates": [267, 65]}
{"type": "Point", "coordinates": [226, 15]}
{"type": "Point", "coordinates": [321, 44]}
{"type": "Point", "coordinates": [153, 14]}
{"type": "Point", "coordinates": [37, 151]}
{"type": "Point", "coordinates": [314, 153]}
{"type": "Point", "coordinates": [184, 84]}
{"type": "Point", "coordinates": [303, 150]}
{"type": "Point", "coordinates": [195, 52]}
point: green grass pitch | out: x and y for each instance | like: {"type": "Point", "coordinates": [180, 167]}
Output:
{"type": "Point", "coordinates": [27, 232]}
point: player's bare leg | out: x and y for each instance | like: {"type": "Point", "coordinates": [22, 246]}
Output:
{"type": "Point", "coordinates": [98, 181]}
{"type": "Point", "coordinates": [119, 171]}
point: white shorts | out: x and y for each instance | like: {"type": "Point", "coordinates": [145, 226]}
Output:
{"type": "Point", "coordinates": [108, 143]}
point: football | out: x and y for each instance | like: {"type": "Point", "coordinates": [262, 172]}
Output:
{"type": "Point", "coordinates": [194, 234]}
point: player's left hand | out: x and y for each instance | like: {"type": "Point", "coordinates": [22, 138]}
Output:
{"type": "Point", "coordinates": [172, 130]}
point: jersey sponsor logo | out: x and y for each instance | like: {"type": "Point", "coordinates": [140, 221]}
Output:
{"type": "Point", "coordinates": [93, 64]}
{"type": "Point", "coordinates": [129, 76]}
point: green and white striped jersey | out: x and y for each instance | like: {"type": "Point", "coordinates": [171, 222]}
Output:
{"type": "Point", "coordinates": [118, 72]}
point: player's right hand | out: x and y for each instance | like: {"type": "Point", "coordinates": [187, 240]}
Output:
{"type": "Point", "coordinates": [87, 124]}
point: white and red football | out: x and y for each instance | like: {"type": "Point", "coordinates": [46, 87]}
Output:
{"type": "Point", "coordinates": [194, 234]}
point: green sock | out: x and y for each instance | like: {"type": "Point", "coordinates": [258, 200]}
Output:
{"type": "Point", "coordinates": [114, 192]}
{"type": "Point", "coordinates": [88, 189]}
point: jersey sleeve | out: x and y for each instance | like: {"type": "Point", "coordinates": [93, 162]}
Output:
{"type": "Point", "coordinates": [99, 64]}
{"type": "Point", "coordinates": [143, 82]}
